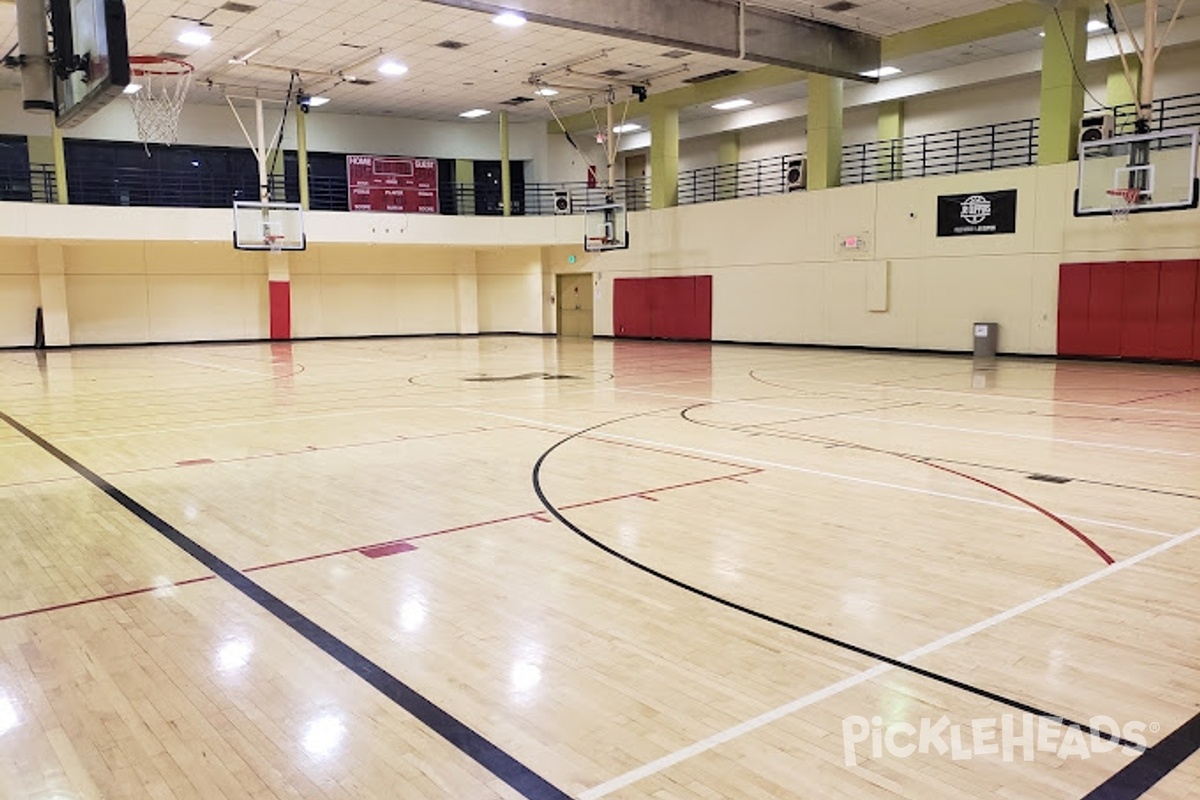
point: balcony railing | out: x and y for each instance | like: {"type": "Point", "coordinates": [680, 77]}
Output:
{"type": "Point", "coordinates": [745, 179]}
{"type": "Point", "coordinates": [983, 147]}
{"type": "Point", "coordinates": [469, 199]}
{"type": "Point", "coordinates": [1182, 111]}
{"type": "Point", "coordinates": [35, 185]}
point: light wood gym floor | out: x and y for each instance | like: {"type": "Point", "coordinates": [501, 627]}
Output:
{"type": "Point", "coordinates": [517, 567]}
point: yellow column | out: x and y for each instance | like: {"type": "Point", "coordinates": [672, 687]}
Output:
{"type": "Point", "coordinates": [729, 153]}
{"type": "Point", "coordinates": [891, 131]}
{"type": "Point", "coordinates": [1118, 92]}
{"type": "Point", "coordinates": [664, 157]}
{"type": "Point", "coordinates": [60, 166]}
{"type": "Point", "coordinates": [302, 157]}
{"type": "Point", "coordinates": [464, 184]}
{"type": "Point", "coordinates": [824, 131]}
{"type": "Point", "coordinates": [1062, 96]}
{"type": "Point", "coordinates": [505, 167]}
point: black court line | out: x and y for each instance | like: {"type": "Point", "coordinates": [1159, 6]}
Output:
{"type": "Point", "coordinates": [466, 740]}
{"type": "Point", "coordinates": [791, 626]}
{"type": "Point", "coordinates": [1151, 766]}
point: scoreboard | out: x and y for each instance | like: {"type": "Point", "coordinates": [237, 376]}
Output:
{"type": "Point", "coordinates": [391, 183]}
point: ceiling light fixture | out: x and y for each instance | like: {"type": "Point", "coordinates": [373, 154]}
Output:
{"type": "Point", "coordinates": [730, 105]}
{"type": "Point", "coordinates": [628, 127]}
{"type": "Point", "coordinates": [882, 72]}
{"type": "Point", "coordinates": [194, 38]}
{"type": "Point", "coordinates": [474, 113]}
{"type": "Point", "coordinates": [317, 102]}
{"type": "Point", "coordinates": [509, 19]}
{"type": "Point", "coordinates": [392, 68]}
{"type": "Point", "coordinates": [546, 91]}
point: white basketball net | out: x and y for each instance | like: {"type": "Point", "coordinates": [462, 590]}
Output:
{"type": "Point", "coordinates": [159, 102]}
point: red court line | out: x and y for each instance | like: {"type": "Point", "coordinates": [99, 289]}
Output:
{"type": "Point", "coordinates": [1097, 549]}
{"type": "Point", "coordinates": [393, 546]}
{"type": "Point", "coordinates": [88, 601]}
{"type": "Point", "coordinates": [536, 515]}
{"type": "Point", "coordinates": [194, 462]}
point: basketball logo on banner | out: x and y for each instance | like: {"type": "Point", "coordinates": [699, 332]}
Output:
{"type": "Point", "coordinates": [975, 209]}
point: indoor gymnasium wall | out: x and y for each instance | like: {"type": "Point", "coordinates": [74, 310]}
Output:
{"type": "Point", "coordinates": [785, 276]}
{"type": "Point", "coordinates": [20, 294]}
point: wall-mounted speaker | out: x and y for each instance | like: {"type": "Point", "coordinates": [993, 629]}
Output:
{"type": "Point", "coordinates": [562, 203]}
{"type": "Point", "coordinates": [795, 177]}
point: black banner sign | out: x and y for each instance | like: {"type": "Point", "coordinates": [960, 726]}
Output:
{"type": "Point", "coordinates": [977, 214]}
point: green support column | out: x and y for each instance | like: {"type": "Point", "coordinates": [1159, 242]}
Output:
{"type": "Point", "coordinates": [1062, 96]}
{"type": "Point", "coordinates": [302, 157]}
{"type": "Point", "coordinates": [60, 166]}
{"type": "Point", "coordinates": [664, 157]}
{"type": "Point", "coordinates": [464, 182]}
{"type": "Point", "coordinates": [824, 131]}
{"type": "Point", "coordinates": [1117, 92]}
{"type": "Point", "coordinates": [891, 131]}
{"type": "Point", "coordinates": [729, 153]}
{"type": "Point", "coordinates": [505, 167]}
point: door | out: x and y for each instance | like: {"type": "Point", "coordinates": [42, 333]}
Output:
{"type": "Point", "coordinates": [575, 306]}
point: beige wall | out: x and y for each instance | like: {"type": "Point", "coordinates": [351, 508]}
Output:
{"type": "Point", "coordinates": [20, 295]}
{"type": "Point", "coordinates": [779, 271]}
{"type": "Point", "coordinates": [780, 275]}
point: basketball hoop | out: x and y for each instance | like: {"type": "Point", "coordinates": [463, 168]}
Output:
{"type": "Point", "coordinates": [1122, 201]}
{"type": "Point", "coordinates": [163, 85]}
{"type": "Point", "coordinates": [274, 242]}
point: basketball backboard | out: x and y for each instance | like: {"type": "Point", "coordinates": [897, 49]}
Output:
{"type": "Point", "coordinates": [91, 55]}
{"type": "Point", "coordinates": [1160, 167]}
{"type": "Point", "coordinates": [268, 226]}
{"type": "Point", "coordinates": [604, 228]}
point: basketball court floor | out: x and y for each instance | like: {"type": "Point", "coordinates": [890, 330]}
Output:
{"type": "Point", "coordinates": [521, 567]}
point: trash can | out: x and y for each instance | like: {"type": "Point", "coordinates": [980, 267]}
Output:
{"type": "Point", "coordinates": [986, 336]}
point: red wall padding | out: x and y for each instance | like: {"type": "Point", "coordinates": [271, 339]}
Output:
{"type": "Point", "coordinates": [663, 308]}
{"type": "Point", "coordinates": [281, 309]}
{"type": "Point", "coordinates": [1074, 287]}
{"type": "Point", "coordinates": [1176, 310]}
{"type": "Point", "coordinates": [1130, 309]}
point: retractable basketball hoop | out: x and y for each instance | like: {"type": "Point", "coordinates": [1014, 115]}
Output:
{"type": "Point", "coordinates": [162, 86]}
{"type": "Point", "coordinates": [1122, 202]}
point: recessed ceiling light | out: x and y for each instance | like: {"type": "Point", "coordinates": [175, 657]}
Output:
{"type": "Point", "coordinates": [628, 127]}
{"type": "Point", "coordinates": [546, 91]}
{"type": "Point", "coordinates": [194, 38]}
{"type": "Point", "coordinates": [882, 72]}
{"type": "Point", "coordinates": [475, 112]}
{"type": "Point", "coordinates": [317, 102]}
{"type": "Point", "coordinates": [730, 105]}
{"type": "Point", "coordinates": [509, 19]}
{"type": "Point", "coordinates": [392, 68]}
{"type": "Point", "coordinates": [132, 88]}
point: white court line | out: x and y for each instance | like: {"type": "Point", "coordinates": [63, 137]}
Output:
{"type": "Point", "coordinates": [853, 415]}
{"type": "Point", "coordinates": [758, 462]}
{"type": "Point", "coordinates": [670, 760]}
{"type": "Point", "coordinates": [257, 374]}
{"type": "Point", "coordinates": [978, 396]}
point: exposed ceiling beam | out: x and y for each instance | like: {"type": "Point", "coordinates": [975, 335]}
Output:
{"type": "Point", "coordinates": [696, 94]}
{"type": "Point", "coordinates": [719, 27]}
